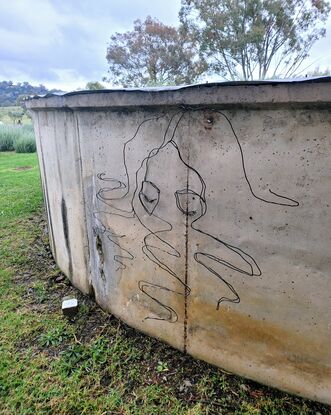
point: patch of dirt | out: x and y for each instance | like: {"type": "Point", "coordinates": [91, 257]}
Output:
{"type": "Point", "coordinates": [22, 168]}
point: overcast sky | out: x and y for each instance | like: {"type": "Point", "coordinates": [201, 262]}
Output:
{"type": "Point", "coordinates": [62, 43]}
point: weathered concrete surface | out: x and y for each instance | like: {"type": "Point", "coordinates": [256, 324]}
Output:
{"type": "Point", "coordinates": [202, 217]}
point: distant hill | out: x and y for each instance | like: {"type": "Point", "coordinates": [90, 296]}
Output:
{"type": "Point", "coordinates": [11, 93]}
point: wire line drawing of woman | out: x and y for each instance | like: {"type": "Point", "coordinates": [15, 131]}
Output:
{"type": "Point", "coordinates": [139, 197]}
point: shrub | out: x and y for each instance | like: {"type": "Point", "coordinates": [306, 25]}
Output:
{"type": "Point", "coordinates": [6, 143]}
{"type": "Point", "coordinates": [25, 145]}
{"type": "Point", "coordinates": [17, 137]}
{"type": "Point", "coordinates": [8, 135]}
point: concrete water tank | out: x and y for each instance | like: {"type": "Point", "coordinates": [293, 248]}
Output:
{"type": "Point", "coordinates": [201, 216]}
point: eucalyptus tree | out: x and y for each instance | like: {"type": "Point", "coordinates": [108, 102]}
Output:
{"type": "Point", "coordinates": [153, 54]}
{"type": "Point", "coordinates": [254, 39]}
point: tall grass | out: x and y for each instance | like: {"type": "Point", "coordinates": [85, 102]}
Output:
{"type": "Point", "coordinates": [17, 137]}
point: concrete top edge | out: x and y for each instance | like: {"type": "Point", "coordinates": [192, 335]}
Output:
{"type": "Point", "coordinates": [310, 91]}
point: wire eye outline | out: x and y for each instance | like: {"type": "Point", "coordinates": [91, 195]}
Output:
{"type": "Point", "coordinates": [149, 203]}
{"type": "Point", "coordinates": [187, 192]}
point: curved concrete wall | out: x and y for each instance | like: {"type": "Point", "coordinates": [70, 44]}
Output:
{"type": "Point", "coordinates": [201, 216]}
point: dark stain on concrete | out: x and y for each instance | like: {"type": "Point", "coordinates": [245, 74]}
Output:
{"type": "Point", "coordinates": [46, 199]}
{"type": "Point", "coordinates": [64, 214]}
{"type": "Point", "coordinates": [208, 121]}
{"type": "Point", "coordinates": [92, 292]}
{"type": "Point", "coordinates": [99, 247]}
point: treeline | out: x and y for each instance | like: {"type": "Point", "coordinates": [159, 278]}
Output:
{"type": "Point", "coordinates": [12, 94]}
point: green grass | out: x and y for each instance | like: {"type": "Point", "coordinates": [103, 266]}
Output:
{"type": "Point", "coordinates": [93, 364]}
{"type": "Point", "coordinates": [19, 186]}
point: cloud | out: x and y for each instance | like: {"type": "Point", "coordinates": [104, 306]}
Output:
{"type": "Point", "coordinates": [64, 43]}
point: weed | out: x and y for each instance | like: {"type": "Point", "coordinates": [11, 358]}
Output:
{"type": "Point", "coordinates": [53, 337]}
{"type": "Point", "coordinates": [71, 359]}
{"type": "Point", "coordinates": [99, 351]}
{"type": "Point", "coordinates": [162, 367]}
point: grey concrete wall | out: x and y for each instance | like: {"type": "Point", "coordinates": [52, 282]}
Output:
{"type": "Point", "coordinates": [202, 217]}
